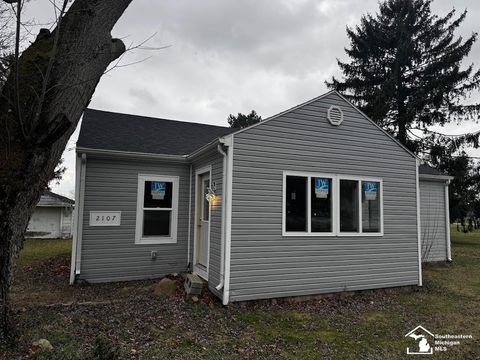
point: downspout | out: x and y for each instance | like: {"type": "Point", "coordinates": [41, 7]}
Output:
{"type": "Point", "coordinates": [189, 218]}
{"type": "Point", "coordinates": [419, 239]}
{"type": "Point", "coordinates": [447, 221]}
{"type": "Point", "coordinates": [78, 218]}
{"type": "Point", "coordinates": [228, 220]}
{"type": "Point", "coordinates": [222, 241]}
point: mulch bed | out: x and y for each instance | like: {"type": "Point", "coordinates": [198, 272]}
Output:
{"type": "Point", "coordinates": [55, 269]}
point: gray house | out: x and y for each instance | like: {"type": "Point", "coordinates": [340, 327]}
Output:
{"type": "Point", "coordinates": [316, 199]}
{"type": "Point", "coordinates": [52, 217]}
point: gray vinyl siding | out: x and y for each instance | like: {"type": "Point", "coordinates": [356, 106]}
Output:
{"type": "Point", "coordinates": [215, 159]}
{"type": "Point", "coordinates": [109, 253]}
{"type": "Point", "coordinates": [433, 220]}
{"type": "Point", "coordinates": [265, 264]}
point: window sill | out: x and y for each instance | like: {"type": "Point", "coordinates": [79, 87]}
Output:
{"type": "Point", "coordinates": [155, 241]}
{"type": "Point", "coordinates": [299, 234]}
{"type": "Point", "coordinates": [352, 234]}
{"type": "Point", "coordinates": [293, 234]}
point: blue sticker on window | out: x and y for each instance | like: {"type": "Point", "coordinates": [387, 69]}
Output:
{"type": "Point", "coordinates": [158, 189]}
{"type": "Point", "coordinates": [322, 186]}
{"type": "Point", "coordinates": [370, 188]}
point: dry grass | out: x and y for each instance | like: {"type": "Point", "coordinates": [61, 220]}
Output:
{"type": "Point", "coordinates": [368, 325]}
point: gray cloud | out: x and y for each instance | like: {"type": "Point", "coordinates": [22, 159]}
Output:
{"type": "Point", "coordinates": [229, 56]}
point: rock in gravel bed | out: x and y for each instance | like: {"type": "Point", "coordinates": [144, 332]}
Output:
{"type": "Point", "coordinates": [43, 345]}
{"type": "Point", "coordinates": [165, 288]}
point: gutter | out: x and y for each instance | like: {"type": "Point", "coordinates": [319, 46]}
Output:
{"type": "Point", "coordinates": [132, 154]}
{"type": "Point", "coordinates": [447, 222]}
{"type": "Point", "coordinates": [224, 195]}
{"type": "Point", "coordinates": [435, 177]}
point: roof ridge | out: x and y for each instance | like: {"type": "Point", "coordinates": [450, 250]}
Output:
{"type": "Point", "coordinates": [155, 118]}
{"type": "Point", "coordinates": [58, 196]}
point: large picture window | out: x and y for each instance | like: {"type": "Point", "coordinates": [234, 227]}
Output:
{"type": "Point", "coordinates": [331, 205]}
{"type": "Point", "coordinates": [157, 209]}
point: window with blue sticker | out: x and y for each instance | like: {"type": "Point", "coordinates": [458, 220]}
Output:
{"type": "Point", "coordinates": [371, 207]}
{"type": "Point", "coordinates": [157, 209]}
{"type": "Point", "coordinates": [321, 204]}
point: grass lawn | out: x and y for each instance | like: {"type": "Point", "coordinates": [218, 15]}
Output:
{"type": "Point", "coordinates": [81, 320]}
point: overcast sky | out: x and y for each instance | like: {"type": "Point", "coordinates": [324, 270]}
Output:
{"type": "Point", "coordinates": [230, 56]}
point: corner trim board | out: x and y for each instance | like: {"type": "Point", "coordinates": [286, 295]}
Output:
{"type": "Point", "coordinates": [222, 234]}
{"type": "Point", "coordinates": [419, 237]}
{"type": "Point", "coordinates": [447, 223]}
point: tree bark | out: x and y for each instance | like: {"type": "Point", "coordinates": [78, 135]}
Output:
{"type": "Point", "coordinates": [34, 134]}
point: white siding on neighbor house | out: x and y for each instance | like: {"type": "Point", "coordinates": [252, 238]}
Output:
{"type": "Point", "coordinates": [215, 159]}
{"type": "Point", "coordinates": [109, 253]}
{"type": "Point", "coordinates": [67, 221]}
{"type": "Point", "coordinates": [45, 223]}
{"type": "Point", "coordinates": [433, 220]}
{"type": "Point", "coordinates": [264, 263]}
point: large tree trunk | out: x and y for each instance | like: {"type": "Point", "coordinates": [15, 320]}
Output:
{"type": "Point", "coordinates": [35, 128]}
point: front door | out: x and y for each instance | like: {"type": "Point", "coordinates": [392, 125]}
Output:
{"type": "Point", "coordinates": [203, 226]}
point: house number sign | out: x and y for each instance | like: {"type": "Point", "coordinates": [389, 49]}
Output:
{"type": "Point", "coordinates": [105, 218]}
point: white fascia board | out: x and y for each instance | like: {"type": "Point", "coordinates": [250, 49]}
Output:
{"type": "Point", "coordinates": [211, 145]}
{"type": "Point", "coordinates": [431, 177]}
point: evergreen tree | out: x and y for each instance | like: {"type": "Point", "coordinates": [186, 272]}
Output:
{"type": "Point", "coordinates": [242, 121]}
{"type": "Point", "coordinates": [405, 72]}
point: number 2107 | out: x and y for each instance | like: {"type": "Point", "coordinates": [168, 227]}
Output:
{"type": "Point", "coordinates": [105, 217]}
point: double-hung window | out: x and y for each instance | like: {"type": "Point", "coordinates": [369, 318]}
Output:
{"type": "Point", "coordinates": [331, 205]}
{"type": "Point", "coordinates": [157, 209]}
{"type": "Point", "coordinates": [308, 204]}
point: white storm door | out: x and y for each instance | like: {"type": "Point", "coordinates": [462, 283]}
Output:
{"type": "Point", "coordinates": [203, 225]}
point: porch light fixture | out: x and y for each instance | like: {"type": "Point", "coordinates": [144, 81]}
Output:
{"type": "Point", "coordinates": [211, 194]}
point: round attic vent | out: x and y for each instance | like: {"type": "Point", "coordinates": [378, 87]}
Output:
{"type": "Point", "coordinates": [335, 115]}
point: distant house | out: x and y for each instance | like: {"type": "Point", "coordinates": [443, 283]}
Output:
{"type": "Point", "coordinates": [52, 217]}
{"type": "Point", "coordinates": [316, 199]}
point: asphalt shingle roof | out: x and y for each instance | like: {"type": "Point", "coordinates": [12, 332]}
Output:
{"type": "Point", "coordinates": [122, 132]}
{"type": "Point", "coordinates": [428, 170]}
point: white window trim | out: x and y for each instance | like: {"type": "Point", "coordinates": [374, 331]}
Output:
{"type": "Point", "coordinates": [139, 238]}
{"type": "Point", "coordinates": [335, 205]}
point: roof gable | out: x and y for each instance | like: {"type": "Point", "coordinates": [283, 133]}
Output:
{"type": "Point", "coordinates": [49, 198]}
{"type": "Point", "coordinates": [106, 130]}
{"type": "Point", "coordinates": [318, 98]}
